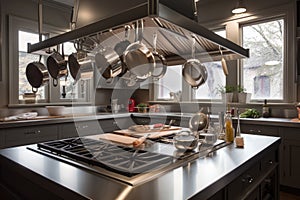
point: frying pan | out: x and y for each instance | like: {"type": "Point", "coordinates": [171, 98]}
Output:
{"type": "Point", "coordinates": [160, 61]}
{"type": "Point", "coordinates": [193, 71]}
{"type": "Point", "coordinates": [137, 57]}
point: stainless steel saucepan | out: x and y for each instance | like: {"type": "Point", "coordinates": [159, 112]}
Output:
{"type": "Point", "coordinates": [57, 66]}
{"type": "Point", "coordinates": [137, 57]}
{"type": "Point", "coordinates": [194, 72]}
{"type": "Point", "coordinates": [160, 61]}
{"type": "Point", "coordinates": [37, 75]}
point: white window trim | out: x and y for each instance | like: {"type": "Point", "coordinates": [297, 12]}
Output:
{"type": "Point", "coordinates": [52, 94]}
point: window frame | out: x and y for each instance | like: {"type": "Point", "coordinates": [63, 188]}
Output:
{"type": "Point", "coordinates": [52, 94]}
{"type": "Point", "coordinates": [285, 63]}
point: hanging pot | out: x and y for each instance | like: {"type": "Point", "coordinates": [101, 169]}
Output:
{"type": "Point", "coordinates": [37, 75]}
{"type": "Point", "coordinates": [121, 47]}
{"type": "Point", "coordinates": [137, 57]}
{"type": "Point", "coordinates": [108, 62]}
{"type": "Point", "coordinates": [57, 66]}
{"type": "Point", "coordinates": [160, 61]}
{"type": "Point", "coordinates": [194, 72]}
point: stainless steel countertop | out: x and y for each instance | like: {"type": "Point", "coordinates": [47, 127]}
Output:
{"type": "Point", "coordinates": [203, 176]}
{"type": "Point", "coordinates": [285, 122]}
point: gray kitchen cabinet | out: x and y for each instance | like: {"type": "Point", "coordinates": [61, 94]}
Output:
{"type": "Point", "coordinates": [1, 139]}
{"type": "Point", "coordinates": [78, 129]}
{"type": "Point", "coordinates": [109, 125]}
{"type": "Point", "coordinates": [291, 152]}
{"type": "Point", "coordinates": [29, 135]}
{"type": "Point", "coordinates": [260, 129]}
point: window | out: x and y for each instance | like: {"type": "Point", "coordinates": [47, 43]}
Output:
{"type": "Point", "coordinates": [24, 59]}
{"type": "Point", "coordinates": [171, 82]}
{"type": "Point", "coordinates": [215, 78]}
{"type": "Point", "coordinates": [23, 31]}
{"type": "Point", "coordinates": [263, 72]}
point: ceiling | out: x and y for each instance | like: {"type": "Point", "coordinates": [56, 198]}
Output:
{"type": "Point", "coordinates": [68, 2]}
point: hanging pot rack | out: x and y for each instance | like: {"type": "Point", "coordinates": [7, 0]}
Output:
{"type": "Point", "coordinates": [175, 30]}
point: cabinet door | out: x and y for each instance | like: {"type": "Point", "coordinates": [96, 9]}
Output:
{"type": "Point", "coordinates": [77, 129]}
{"type": "Point", "coordinates": [1, 139]}
{"type": "Point", "coordinates": [29, 135]}
{"type": "Point", "coordinates": [291, 164]}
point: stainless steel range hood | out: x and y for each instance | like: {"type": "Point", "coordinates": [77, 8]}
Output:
{"type": "Point", "coordinates": [173, 19]}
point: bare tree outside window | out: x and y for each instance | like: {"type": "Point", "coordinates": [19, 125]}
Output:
{"type": "Point", "coordinates": [263, 71]}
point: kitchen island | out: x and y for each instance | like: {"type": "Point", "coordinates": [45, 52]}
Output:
{"type": "Point", "coordinates": [227, 173]}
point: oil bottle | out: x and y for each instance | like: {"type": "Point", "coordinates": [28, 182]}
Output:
{"type": "Point", "coordinates": [229, 131]}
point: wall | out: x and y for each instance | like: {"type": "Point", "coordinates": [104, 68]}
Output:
{"type": "Point", "coordinates": [54, 14]}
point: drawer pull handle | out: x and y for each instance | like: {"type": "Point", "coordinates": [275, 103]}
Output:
{"type": "Point", "coordinates": [271, 162]}
{"type": "Point", "coordinates": [32, 132]}
{"type": "Point", "coordinates": [248, 179]}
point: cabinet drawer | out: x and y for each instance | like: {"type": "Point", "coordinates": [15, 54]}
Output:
{"type": "Point", "coordinates": [29, 135]}
{"type": "Point", "coordinates": [268, 161]}
{"type": "Point", "coordinates": [78, 129]}
{"type": "Point", "coordinates": [242, 184]}
{"type": "Point", "coordinates": [259, 129]}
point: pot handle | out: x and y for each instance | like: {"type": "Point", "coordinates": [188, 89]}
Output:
{"type": "Point", "coordinates": [55, 82]}
{"type": "Point", "coordinates": [34, 90]}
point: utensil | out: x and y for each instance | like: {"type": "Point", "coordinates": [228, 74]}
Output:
{"type": "Point", "coordinates": [57, 66]}
{"type": "Point", "coordinates": [37, 75]}
{"type": "Point", "coordinates": [108, 62]}
{"type": "Point", "coordinates": [140, 141]}
{"type": "Point", "coordinates": [137, 57]}
{"type": "Point", "coordinates": [193, 71]}
{"type": "Point", "coordinates": [77, 60]}
{"type": "Point", "coordinates": [185, 140]}
{"type": "Point", "coordinates": [121, 47]}
{"type": "Point", "coordinates": [223, 62]}
{"type": "Point", "coordinates": [36, 72]}
{"type": "Point", "coordinates": [160, 68]}
{"type": "Point", "coordinates": [198, 122]}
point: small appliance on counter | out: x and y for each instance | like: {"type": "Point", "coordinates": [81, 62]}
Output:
{"type": "Point", "coordinates": [131, 105]}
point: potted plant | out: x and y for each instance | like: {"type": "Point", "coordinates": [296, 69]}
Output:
{"type": "Point", "coordinates": [243, 96]}
{"type": "Point", "coordinates": [142, 107]}
{"type": "Point", "coordinates": [226, 92]}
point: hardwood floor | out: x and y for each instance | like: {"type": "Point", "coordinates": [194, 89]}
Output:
{"type": "Point", "coordinates": [288, 196]}
{"type": "Point", "coordinates": [288, 193]}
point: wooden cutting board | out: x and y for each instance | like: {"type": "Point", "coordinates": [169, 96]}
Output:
{"type": "Point", "coordinates": [117, 138]}
{"type": "Point", "coordinates": [153, 134]}
{"type": "Point", "coordinates": [295, 120]}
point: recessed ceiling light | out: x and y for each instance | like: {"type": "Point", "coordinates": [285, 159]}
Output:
{"type": "Point", "coordinates": [239, 8]}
